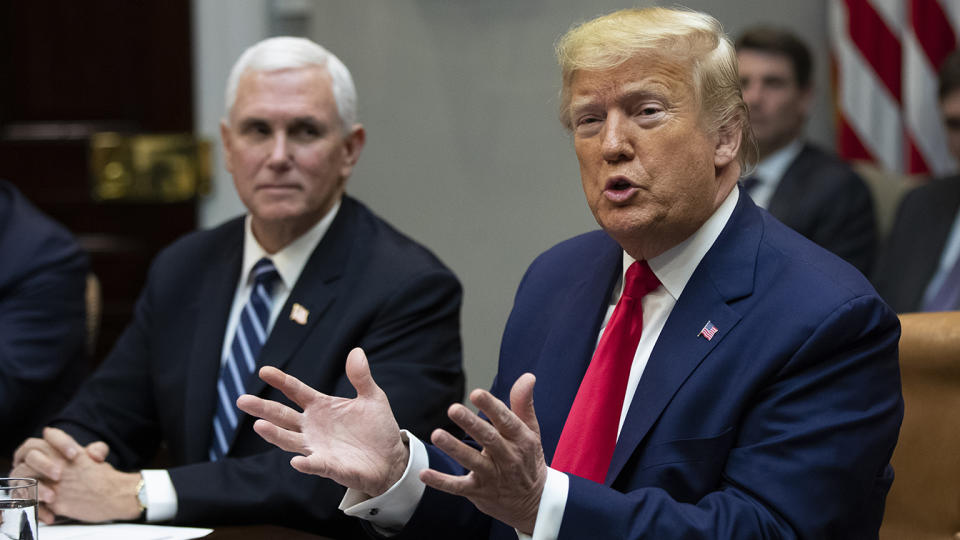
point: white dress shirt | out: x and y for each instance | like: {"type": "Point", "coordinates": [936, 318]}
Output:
{"type": "Point", "coordinates": [289, 262]}
{"type": "Point", "coordinates": [391, 510]}
{"type": "Point", "coordinates": [770, 171]}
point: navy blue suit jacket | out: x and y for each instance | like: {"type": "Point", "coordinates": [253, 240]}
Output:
{"type": "Point", "coordinates": [365, 285]}
{"type": "Point", "coordinates": [780, 426]}
{"type": "Point", "coordinates": [43, 333]}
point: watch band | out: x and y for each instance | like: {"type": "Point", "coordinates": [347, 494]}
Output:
{"type": "Point", "coordinates": [141, 495]}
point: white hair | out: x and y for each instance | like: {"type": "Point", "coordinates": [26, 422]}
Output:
{"type": "Point", "coordinates": [286, 52]}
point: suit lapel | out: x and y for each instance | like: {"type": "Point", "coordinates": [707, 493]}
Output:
{"type": "Point", "coordinates": [314, 291]}
{"type": "Point", "coordinates": [211, 310]}
{"type": "Point", "coordinates": [568, 348]}
{"type": "Point", "coordinates": [725, 273]}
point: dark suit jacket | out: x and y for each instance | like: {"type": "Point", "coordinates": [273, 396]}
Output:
{"type": "Point", "coordinates": [780, 426]}
{"type": "Point", "coordinates": [822, 198]}
{"type": "Point", "coordinates": [43, 332]}
{"type": "Point", "coordinates": [365, 285]}
{"type": "Point", "coordinates": [913, 249]}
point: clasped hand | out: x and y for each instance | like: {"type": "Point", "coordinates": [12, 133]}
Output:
{"type": "Point", "coordinates": [75, 481]}
{"type": "Point", "coordinates": [356, 442]}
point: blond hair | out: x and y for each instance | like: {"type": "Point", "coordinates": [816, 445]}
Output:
{"type": "Point", "coordinates": [682, 36]}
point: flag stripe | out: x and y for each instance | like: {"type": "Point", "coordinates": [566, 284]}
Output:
{"type": "Point", "coordinates": [915, 161]}
{"type": "Point", "coordinates": [849, 142]}
{"type": "Point", "coordinates": [886, 54]}
{"type": "Point", "coordinates": [875, 42]}
{"type": "Point", "coordinates": [932, 30]}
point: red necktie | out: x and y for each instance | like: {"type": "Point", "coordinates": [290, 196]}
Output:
{"type": "Point", "coordinates": [590, 433]}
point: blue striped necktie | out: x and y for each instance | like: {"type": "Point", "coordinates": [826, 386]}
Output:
{"type": "Point", "coordinates": [238, 369]}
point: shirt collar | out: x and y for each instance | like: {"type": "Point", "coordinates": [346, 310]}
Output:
{"type": "Point", "coordinates": [290, 260]}
{"type": "Point", "coordinates": [675, 266]}
{"type": "Point", "coordinates": [772, 169]}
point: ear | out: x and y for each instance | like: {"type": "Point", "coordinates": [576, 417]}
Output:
{"type": "Point", "coordinates": [352, 146]}
{"type": "Point", "coordinates": [728, 144]}
{"type": "Point", "coordinates": [227, 141]}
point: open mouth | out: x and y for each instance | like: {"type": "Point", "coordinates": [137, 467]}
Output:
{"type": "Point", "coordinates": [619, 189]}
{"type": "Point", "coordinates": [619, 184]}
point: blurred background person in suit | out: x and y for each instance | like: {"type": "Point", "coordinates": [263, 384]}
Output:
{"type": "Point", "coordinates": [919, 266]}
{"type": "Point", "coordinates": [306, 275]}
{"type": "Point", "coordinates": [43, 333]}
{"type": "Point", "coordinates": [810, 190]}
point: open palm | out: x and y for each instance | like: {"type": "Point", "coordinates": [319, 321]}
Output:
{"type": "Point", "coordinates": [354, 442]}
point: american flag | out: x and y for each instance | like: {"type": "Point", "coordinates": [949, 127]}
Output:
{"type": "Point", "coordinates": [886, 54]}
{"type": "Point", "coordinates": [708, 331]}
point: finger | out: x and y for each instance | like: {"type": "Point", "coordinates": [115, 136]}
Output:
{"type": "Point", "coordinates": [32, 443]}
{"type": "Point", "coordinates": [309, 466]}
{"type": "Point", "coordinates": [358, 371]}
{"type": "Point", "coordinates": [62, 442]}
{"type": "Point", "coordinates": [455, 485]}
{"type": "Point", "coordinates": [45, 494]}
{"type": "Point", "coordinates": [286, 440]}
{"type": "Point", "coordinates": [504, 420]}
{"type": "Point", "coordinates": [276, 413]}
{"type": "Point", "coordinates": [43, 466]}
{"type": "Point", "coordinates": [292, 387]}
{"type": "Point", "coordinates": [98, 451]}
{"type": "Point", "coordinates": [464, 454]}
{"type": "Point", "coordinates": [521, 401]}
{"type": "Point", "coordinates": [480, 430]}
{"type": "Point", "coordinates": [45, 515]}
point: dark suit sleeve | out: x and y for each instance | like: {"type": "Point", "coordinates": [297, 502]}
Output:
{"type": "Point", "coordinates": [414, 348]}
{"type": "Point", "coordinates": [116, 404]}
{"type": "Point", "coordinates": [42, 331]}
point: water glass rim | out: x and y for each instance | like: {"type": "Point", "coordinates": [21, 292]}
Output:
{"type": "Point", "coordinates": [27, 482]}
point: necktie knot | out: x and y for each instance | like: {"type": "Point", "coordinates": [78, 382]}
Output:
{"type": "Point", "coordinates": [264, 273]}
{"type": "Point", "coordinates": [639, 280]}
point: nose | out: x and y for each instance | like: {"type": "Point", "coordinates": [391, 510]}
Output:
{"type": "Point", "coordinates": [280, 158]}
{"type": "Point", "coordinates": [616, 144]}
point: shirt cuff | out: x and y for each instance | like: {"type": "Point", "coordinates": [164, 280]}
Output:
{"type": "Point", "coordinates": [161, 495]}
{"type": "Point", "coordinates": [390, 512]}
{"type": "Point", "coordinates": [552, 502]}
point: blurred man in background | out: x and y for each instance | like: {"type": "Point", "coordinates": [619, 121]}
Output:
{"type": "Point", "coordinates": [919, 267]}
{"type": "Point", "coordinates": [811, 191]}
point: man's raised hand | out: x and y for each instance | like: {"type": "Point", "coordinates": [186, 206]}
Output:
{"type": "Point", "coordinates": [354, 442]}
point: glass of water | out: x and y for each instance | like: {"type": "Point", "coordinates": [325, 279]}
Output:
{"type": "Point", "coordinates": [18, 508]}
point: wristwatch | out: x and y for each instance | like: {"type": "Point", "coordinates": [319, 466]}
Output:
{"type": "Point", "coordinates": [142, 496]}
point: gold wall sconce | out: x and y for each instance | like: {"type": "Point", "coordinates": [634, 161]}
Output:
{"type": "Point", "coordinates": [149, 167]}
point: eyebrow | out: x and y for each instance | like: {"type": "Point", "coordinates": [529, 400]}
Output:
{"type": "Point", "coordinates": [296, 121]}
{"type": "Point", "coordinates": [630, 95]}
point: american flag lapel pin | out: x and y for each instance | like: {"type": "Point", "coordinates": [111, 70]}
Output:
{"type": "Point", "coordinates": [299, 314]}
{"type": "Point", "coordinates": [708, 331]}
